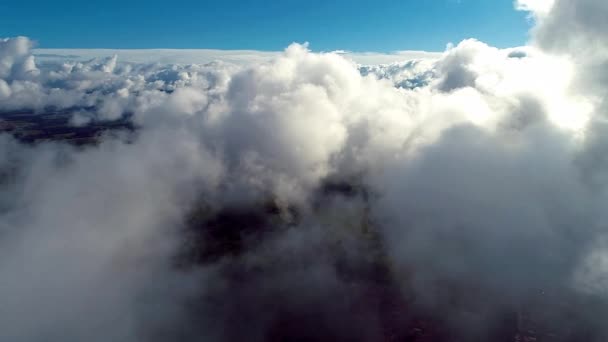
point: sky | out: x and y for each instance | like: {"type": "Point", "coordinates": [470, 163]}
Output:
{"type": "Point", "coordinates": [354, 25]}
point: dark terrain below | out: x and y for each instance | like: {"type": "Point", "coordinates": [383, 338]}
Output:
{"type": "Point", "coordinates": [227, 235]}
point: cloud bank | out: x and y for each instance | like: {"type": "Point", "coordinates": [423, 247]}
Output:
{"type": "Point", "coordinates": [308, 197]}
{"type": "Point", "coordinates": [203, 56]}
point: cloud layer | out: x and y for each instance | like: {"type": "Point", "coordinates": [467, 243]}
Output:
{"type": "Point", "coordinates": [307, 196]}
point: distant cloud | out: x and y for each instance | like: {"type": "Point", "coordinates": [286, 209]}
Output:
{"type": "Point", "coordinates": [201, 56]}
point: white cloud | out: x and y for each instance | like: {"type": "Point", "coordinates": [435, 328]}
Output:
{"type": "Point", "coordinates": [479, 168]}
{"type": "Point", "coordinates": [203, 56]}
{"type": "Point", "coordinates": [540, 8]}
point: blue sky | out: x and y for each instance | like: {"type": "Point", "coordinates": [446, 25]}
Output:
{"type": "Point", "coordinates": [356, 25]}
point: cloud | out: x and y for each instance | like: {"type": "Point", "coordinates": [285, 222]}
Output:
{"type": "Point", "coordinates": [539, 8]}
{"type": "Point", "coordinates": [307, 195]}
{"type": "Point", "coordinates": [204, 56]}
{"type": "Point", "coordinates": [15, 59]}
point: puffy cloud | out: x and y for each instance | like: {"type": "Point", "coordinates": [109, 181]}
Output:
{"type": "Point", "coordinates": [5, 90]}
{"type": "Point", "coordinates": [304, 195]}
{"type": "Point", "coordinates": [15, 58]}
{"type": "Point", "coordinates": [576, 27]}
{"type": "Point", "coordinates": [539, 8]}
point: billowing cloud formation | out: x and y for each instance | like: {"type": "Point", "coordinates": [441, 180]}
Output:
{"type": "Point", "coordinates": [308, 197]}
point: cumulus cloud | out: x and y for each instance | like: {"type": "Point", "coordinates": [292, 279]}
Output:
{"type": "Point", "coordinates": [539, 8]}
{"type": "Point", "coordinates": [305, 196]}
{"type": "Point", "coordinates": [15, 58]}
